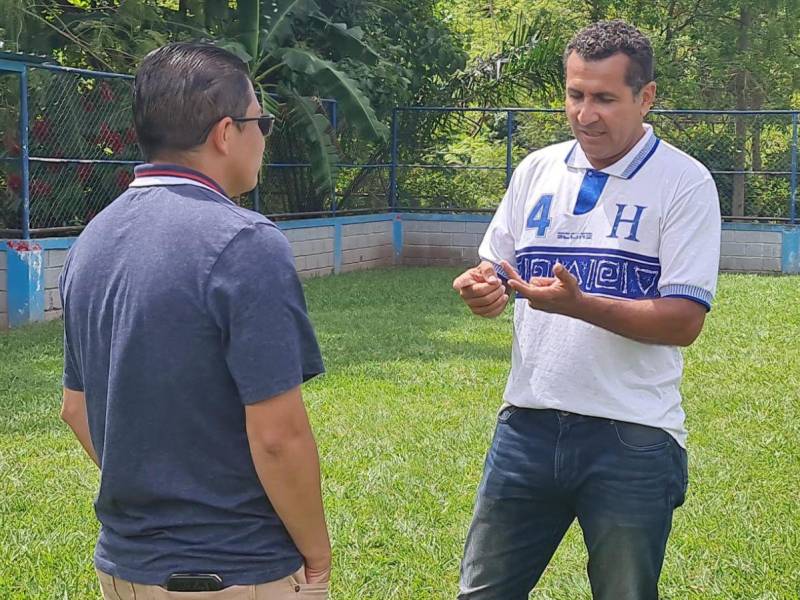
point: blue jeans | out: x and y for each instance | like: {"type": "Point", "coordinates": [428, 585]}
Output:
{"type": "Point", "coordinates": [545, 468]}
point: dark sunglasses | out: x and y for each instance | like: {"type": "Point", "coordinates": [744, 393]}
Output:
{"type": "Point", "coordinates": [265, 122]}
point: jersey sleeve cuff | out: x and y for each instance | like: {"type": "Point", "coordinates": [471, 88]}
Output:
{"type": "Point", "coordinates": [689, 292]}
{"type": "Point", "coordinates": [501, 273]}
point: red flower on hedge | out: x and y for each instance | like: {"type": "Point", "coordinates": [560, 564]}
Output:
{"type": "Point", "coordinates": [115, 142]}
{"type": "Point", "coordinates": [110, 138]}
{"type": "Point", "coordinates": [130, 135]}
{"type": "Point", "coordinates": [14, 183]}
{"type": "Point", "coordinates": [11, 144]}
{"type": "Point", "coordinates": [84, 172]}
{"type": "Point", "coordinates": [124, 177]}
{"type": "Point", "coordinates": [41, 188]}
{"type": "Point", "coordinates": [105, 92]}
{"type": "Point", "coordinates": [41, 129]}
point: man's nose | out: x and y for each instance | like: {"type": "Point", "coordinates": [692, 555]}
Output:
{"type": "Point", "coordinates": [587, 114]}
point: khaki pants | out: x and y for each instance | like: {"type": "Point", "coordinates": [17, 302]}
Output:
{"type": "Point", "coordinates": [292, 587]}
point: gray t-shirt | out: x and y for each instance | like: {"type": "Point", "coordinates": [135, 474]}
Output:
{"type": "Point", "coordinates": [180, 308]}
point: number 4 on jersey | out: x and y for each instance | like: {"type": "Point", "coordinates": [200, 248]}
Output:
{"type": "Point", "coordinates": [539, 218]}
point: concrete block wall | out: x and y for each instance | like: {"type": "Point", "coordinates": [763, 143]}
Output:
{"type": "Point", "coordinates": [367, 245]}
{"type": "Point", "coordinates": [751, 250]}
{"type": "Point", "coordinates": [325, 246]}
{"type": "Point", "coordinates": [454, 239]}
{"type": "Point", "coordinates": [53, 263]}
{"type": "Point", "coordinates": [320, 247]}
{"type": "Point", "coordinates": [313, 249]}
{"type": "Point", "coordinates": [428, 240]}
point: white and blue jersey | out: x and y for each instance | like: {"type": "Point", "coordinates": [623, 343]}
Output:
{"type": "Point", "coordinates": [647, 226]}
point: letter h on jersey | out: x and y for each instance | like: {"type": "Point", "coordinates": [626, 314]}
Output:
{"type": "Point", "coordinates": [634, 222]}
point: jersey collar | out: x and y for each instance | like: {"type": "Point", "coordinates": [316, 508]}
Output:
{"type": "Point", "coordinates": [627, 166]}
{"type": "Point", "coordinates": [161, 174]}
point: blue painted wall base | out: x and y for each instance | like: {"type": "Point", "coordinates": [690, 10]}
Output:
{"type": "Point", "coordinates": [790, 261]}
{"type": "Point", "coordinates": [25, 283]}
{"type": "Point", "coordinates": [26, 260]}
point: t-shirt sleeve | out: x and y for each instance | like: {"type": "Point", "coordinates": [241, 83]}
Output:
{"type": "Point", "coordinates": [499, 243]}
{"type": "Point", "coordinates": [72, 377]}
{"type": "Point", "coordinates": [690, 245]}
{"type": "Point", "coordinates": [255, 296]}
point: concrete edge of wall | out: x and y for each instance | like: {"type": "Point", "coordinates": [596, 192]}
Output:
{"type": "Point", "coordinates": [29, 270]}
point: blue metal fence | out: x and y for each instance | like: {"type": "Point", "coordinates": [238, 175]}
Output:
{"type": "Point", "coordinates": [69, 149]}
{"type": "Point", "coordinates": [753, 155]}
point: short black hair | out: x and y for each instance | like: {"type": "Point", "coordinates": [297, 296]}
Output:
{"type": "Point", "coordinates": [607, 38]}
{"type": "Point", "coordinates": [181, 90]}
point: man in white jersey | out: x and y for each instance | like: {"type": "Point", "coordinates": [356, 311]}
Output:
{"type": "Point", "coordinates": [610, 244]}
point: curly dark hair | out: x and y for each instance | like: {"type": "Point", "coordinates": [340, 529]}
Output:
{"type": "Point", "coordinates": [606, 38]}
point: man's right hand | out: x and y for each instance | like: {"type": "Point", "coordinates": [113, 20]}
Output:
{"type": "Point", "coordinates": [482, 290]}
{"type": "Point", "coordinates": [318, 570]}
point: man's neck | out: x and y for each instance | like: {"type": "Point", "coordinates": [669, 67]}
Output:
{"type": "Point", "coordinates": [607, 162]}
{"type": "Point", "coordinates": [196, 164]}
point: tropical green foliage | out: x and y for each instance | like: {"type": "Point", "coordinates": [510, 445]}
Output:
{"type": "Point", "coordinates": [710, 54]}
{"type": "Point", "coordinates": [372, 55]}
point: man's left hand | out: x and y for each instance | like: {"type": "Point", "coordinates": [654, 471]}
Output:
{"type": "Point", "coordinates": [560, 294]}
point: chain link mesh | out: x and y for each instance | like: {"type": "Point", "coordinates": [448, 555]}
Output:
{"type": "Point", "coordinates": [82, 145]}
{"type": "Point", "coordinates": [463, 164]}
{"type": "Point", "coordinates": [71, 194]}
{"type": "Point", "coordinates": [10, 161]}
{"type": "Point", "coordinates": [361, 176]}
{"type": "Point", "coordinates": [83, 148]}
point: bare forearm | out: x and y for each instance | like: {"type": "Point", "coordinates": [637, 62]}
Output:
{"type": "Point", "coordinates": [81, 431]}
{"type": "Point", "coordinates": [73, 413]}
{"type": "Point", "coordinates": [667, 321]}
{"type": "Point", "coordinates": [660, 321]}
{"type": "Point", "coordinates": [290, 476]}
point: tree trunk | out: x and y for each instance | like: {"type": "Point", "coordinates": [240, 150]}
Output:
{"type": "Point", "coordinates": [740, 82]}
{"type": "Point", "coordinates": [755, 142]}
{"type": "Point", "coordinates": [737, 201]}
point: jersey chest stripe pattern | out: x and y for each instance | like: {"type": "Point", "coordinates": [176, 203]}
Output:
{"type": "Point", "coordinates": [598, 271]}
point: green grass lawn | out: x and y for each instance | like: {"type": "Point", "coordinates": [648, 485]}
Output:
{"type": "Point", "coordinates": [403, 420]}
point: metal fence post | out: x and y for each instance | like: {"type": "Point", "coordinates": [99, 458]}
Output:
{"type": "Point", "coordinates": [509, 145]}
{"type": "Point", "coordinates": [393, 165]}
{"type": "Point", "coordinates": [24, 153]}
{"type": "Point", "coordinates": [256, 196]}
{"type": "Point", "coordinates": [793, 201]}
{"type": "Point", "coordinates": [334, 124]}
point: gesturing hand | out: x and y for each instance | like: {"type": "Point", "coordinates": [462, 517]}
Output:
{"type": "Point", "coordinates": [560, 294]}
{"type": "Point", "coordinates": [482, 290]}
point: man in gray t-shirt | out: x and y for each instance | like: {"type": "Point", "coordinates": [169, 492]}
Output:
{"type": "Point", "coordinates": [186, 343]}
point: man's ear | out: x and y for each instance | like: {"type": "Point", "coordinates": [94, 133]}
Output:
{"type": "Point", "coordinates": [220, 135]}
{"type": "Point", "coordinates": [648, 97]}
